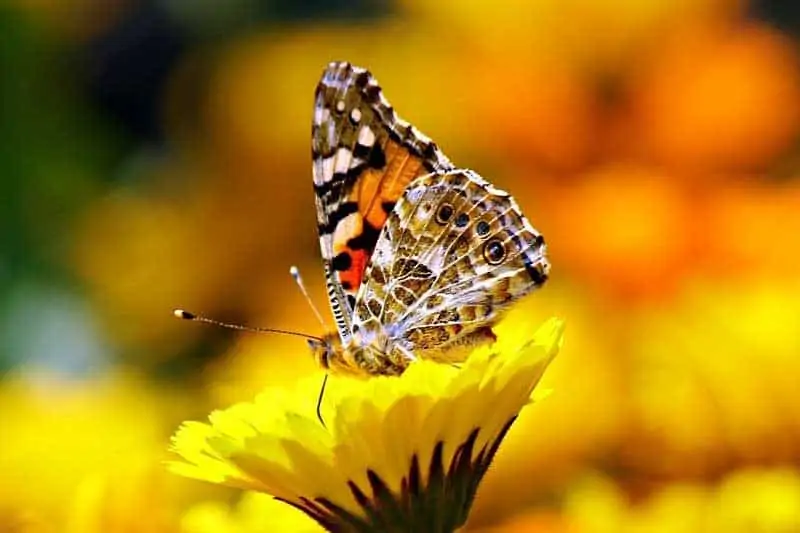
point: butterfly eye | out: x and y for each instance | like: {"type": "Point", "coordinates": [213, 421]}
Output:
{"type": "Point", "coordinates": [494, 251]}
{"type": "Point", "coordinates": [444, 213]}
{"type": "Point", "coordinates": [482, 228]}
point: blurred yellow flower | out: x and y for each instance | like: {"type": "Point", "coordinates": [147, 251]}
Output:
{"type": "Point", "coordinates": [745, 501]}
{"type": "Point", "coordinates": [113, 500]}
{"type": "Point", "coordinates": [730, 398]}
{"type": "Point", "coordinates": [400, 452]}
{"type": "Point", "coordinates": [58, 432]}
{"type": "Point", "coordinates": [254, 513]}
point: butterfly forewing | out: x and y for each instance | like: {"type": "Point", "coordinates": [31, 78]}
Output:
{"type": "Point", "coordinates": [364, 156]}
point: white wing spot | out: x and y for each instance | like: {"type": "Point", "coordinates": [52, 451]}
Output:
{"type": "Point", "coordinates": [343, 157]}
{"type": "Point", "coordinates": [355, 115]}
{"type": "Point", "coordinates": [366, 137]}
{"type": "Point", "coordinates": [414, 194]}
{"type": "Point", "coordinates": [321, 114]}
{"type": "Point", "coordinates": [436, 260]}
{"type": "Point", "coordinates": [327, 171]}
{"type": "Point", "coordinates": [340, 105]}
{"type": "Point", "coordinates": [332, 133]}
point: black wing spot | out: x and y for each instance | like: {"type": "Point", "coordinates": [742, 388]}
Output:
{"type": "Point", "coordinates": [342, 211]}
{"type": "Point", "coordinates": [366, 239]}
{"type": "Point", "coordinates": [361, 151]}
{"type": "Point", "coordinates": [387, 207]}
{"type": "Point", "coordinates": [339, 181]}
{"type": "Point", "coordinates": [377, 158]}
{"type": "Point", "coordinates": [362, 79]}
{"type": "Point", "coordinates": [372, 93]}
{"type": "Point", "coordinates": [410, 136]}
{"type": "Point", "coordinates": [444, 213]}
{"type": "Point", "coordinates": [538, 277]}
{"type": "Point", "coordinates": [494, 251]}
{"type": "Point", "coordinates": [342, 261]}
{"type": "Point", "coordinates": [535, 271]}
{"type": "Point", "coordinates": [430, 151]}
{"type": "Point", "coordinates": [351, 301]}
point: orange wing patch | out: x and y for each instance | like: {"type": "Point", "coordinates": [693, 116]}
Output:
{"type": "Point", "coordinates": [375, 193]}
{"type": "Point", "coordinates": [352, 276]}
{"type": "Point", "coordinates": [379, 189]}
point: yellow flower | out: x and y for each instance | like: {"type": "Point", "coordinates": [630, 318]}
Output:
{"type": "Point", "coordinates": [398, 454]}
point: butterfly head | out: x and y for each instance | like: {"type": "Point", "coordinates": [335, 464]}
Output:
{"type": "Point", "coordinates": [324, 349]}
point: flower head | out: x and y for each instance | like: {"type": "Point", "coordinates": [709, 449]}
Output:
{"type": "Point", "coordinates": [399, 453]}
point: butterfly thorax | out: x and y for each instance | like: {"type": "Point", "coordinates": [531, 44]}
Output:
{"type": "Point", "coordinates": [364, 354]}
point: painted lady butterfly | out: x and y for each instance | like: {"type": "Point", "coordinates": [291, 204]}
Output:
{"type": "Point", "coordinates": [421, 257]}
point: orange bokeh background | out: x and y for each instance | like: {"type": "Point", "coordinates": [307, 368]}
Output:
{"type": "Point", "coordinates": [654, 144]}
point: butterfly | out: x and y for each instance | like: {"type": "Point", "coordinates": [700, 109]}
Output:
{"type": "Point", "coordinates": [421, 257]}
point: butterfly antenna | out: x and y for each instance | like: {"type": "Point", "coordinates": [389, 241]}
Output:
{"type": "Point", "coordinates": [296, 275]}
{"type": "Point", "coordinates": [186, 315]}
{"type": "Point", "coordinates": [295, 272]}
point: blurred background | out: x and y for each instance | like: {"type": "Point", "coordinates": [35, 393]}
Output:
{"type": "Point", "coordinates": [155, 154]}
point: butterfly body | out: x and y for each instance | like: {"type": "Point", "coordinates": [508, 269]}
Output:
{"type": "Point", "coordinates": [421, 258]}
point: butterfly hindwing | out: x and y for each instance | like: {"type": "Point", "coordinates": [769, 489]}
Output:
{"type": "Point", "coordinates": [364, 157]}
{"type": "Point", "coordinates": [454, 254]}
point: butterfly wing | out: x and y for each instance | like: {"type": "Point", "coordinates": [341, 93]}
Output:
{"type": "Point", "coordinates": [364, 156]}
{"type": "Point", "coordinates": [454, 254]}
